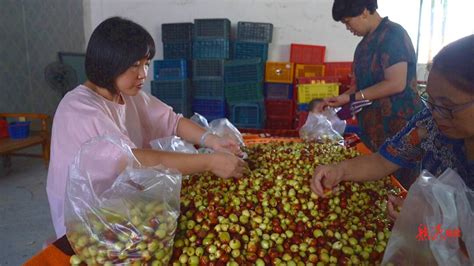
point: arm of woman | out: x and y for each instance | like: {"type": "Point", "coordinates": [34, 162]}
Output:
{"type": "Point", "coordinates": [193, 133]}
{"type": "Point", "coordinates": [221, 164]}
{"type": "Point", "coordinates": [394, 82]}
{"type": "Point", "coordinates": [363, 168]}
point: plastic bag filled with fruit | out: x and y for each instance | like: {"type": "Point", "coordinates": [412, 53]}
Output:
{"type": "Point", "coordinates": [222, 127]}
{"type": "Point", "coordinates": [318, 128]}
{"type": "Point", "coordinates": [436, 224]}
{"type": "Point", "coordinates": [173, 143]}
{"type": "Point", "coordinates": [116, 211]}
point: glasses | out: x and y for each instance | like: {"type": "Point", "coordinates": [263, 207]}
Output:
{"type": "Point", "coordinates": [443, 111]}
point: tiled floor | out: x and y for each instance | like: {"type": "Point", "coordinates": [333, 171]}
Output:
{"type": "Point", "coordinates": [25, 221]}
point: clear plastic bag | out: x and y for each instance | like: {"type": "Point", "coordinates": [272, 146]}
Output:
{"type": "Point", "coordinates": [436, 224]}
{"type": "Point", "coordinates": [124, 219]}
{"type": "Point", "coordinates": [173, 143]}
{"type": "Point", "coordinates": [222, 127]}
{"type": "Point", "coordinates": [337, 124]}
{"type": "Point", "coordinates": [319, 128]}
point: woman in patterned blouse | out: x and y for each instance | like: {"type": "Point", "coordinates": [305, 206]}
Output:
{"type": "Point", "coordinates": [440, 136]}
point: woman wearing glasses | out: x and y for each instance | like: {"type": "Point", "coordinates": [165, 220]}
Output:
{"type": "Point", "coordinates": [440, 136]}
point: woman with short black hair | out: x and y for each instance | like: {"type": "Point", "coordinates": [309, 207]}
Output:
{"type": "Point", "coordinates": [111, 103]}
{"type": "Point", "coordinates": [384, 72]}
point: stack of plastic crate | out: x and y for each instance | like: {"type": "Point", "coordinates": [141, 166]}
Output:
{"type": "Point", "coordinates": [211, 47]}
{"type": "Point", "coordinates": [279, 98]}
{"type": "Point", "coordinates": [244, 74]}
{"type": "Point", "coordinates": [172, 85]}
{"type": "Point", "coordinates": [177, 41]}
{"type": "Point", "coordinates": [244, 92]}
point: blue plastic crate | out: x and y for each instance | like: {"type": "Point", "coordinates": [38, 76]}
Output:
{"type": "Point", "coordinates": [171, 89]}
{"type": "Point", "coordinates": [208, 69]}
{"type": "Point", "coordinates": [254, 32]}
{"type": "Point", "coordinates": [180, 106]}
{"type": "Point", "coordinates": [170, 69]}
{"type": "Point", "coordinates": [303, 107]}
{"type": "Point", "coordinates": [278, 91]}
{"type": "Point", "coordinates": [243, 70]}
{"type": "Point", "coordinates": [209, 108]}
{"type": "Point", "coordinates": [211, 49]}
{"type": "Point", "coordinates": [243, 50]}
{"type": "Point", "coordinates": [213, 28]}
{"type": "Point", "coordinates": [248, 115]}
{"type": "Point", "coordinates": [19, 130]}
{"type": "Point", "coordinates": [179, 50]}
{"type": "Point", "coordinates": [212, 88]}
{"type": "Point", "coordinates": [176, 32]}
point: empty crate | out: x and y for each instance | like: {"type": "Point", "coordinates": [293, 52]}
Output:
{"type": "Point", "coordinates": [181, 50]}
{"type": "Point", "coordinates": [338, 68]}
{"type": "Point", "coordinates": [278, 91]}
{"type": "Point", "coordinates": [243, 70]}
{"type": "Point", "coordinates": [210, 109]}
{"type": "Point", "coordinates": [242, 92]}
{"type": "Point", "coordinates": [279, 72]}
{"type": "Point", "coordinates": [254, 32]}
{"type": "Point", "coordinates": [248, 115]}
{"type": "Point", "coordinates": [242, 50]}
{"type": "Point", "coordinates": [214, 28]}
{"type": "Point", "coordinates": [211, 88]}
{"type": "Point", "coordinates": [307, 54]}
{"type": "Point", "coordinates": [171, 89]}
{"type": "Point", "coordinates": [307, 71]}
{"type": "Point", "coordinates": [170, 69]}
{"type": "Point", "coordinates": [218, 49]}
{"type": "Point", "coordinates": [208, 68]}
{"type": "Point", "coordinates": [281, 108]}
{"type": "Point", "coordinates": [176, 32]}
{"type": "Point", "coordinates": [307, 92]}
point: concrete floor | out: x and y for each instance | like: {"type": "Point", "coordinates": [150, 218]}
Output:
{"type": "Point", "coordinates": [25, 221]}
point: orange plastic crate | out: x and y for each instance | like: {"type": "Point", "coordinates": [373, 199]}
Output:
{"type": "Point", "coordinates": [307, 54]}
{"type": "Point", "coordinates": [279, 72]}
{"type": "Point", "coordinates": [309, 71]}
{"type": "Point", "coordinates": [338, 68]}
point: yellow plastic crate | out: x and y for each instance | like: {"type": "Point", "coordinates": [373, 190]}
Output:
{"type": "Point", "coordinates": [279, 72]}
{"type": "Point", "coordinates": [309, 71]}
{"type": "Point", "coordinates": [307, 92]}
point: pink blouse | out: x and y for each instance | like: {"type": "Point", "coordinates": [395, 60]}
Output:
{"type": "Point", "coordinates": [83, 115]}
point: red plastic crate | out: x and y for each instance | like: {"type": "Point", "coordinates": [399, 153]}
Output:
{"type": "Point", "coordinates": [338, 68]}
{"type": "Point", "coordinates": [307, 54]}
{"type": "Point", "coordinates": [3, 128]}
{"type": "Point", "coordinates": [280, 108]}
{"type": "Point", "coordinates": [279, 122]}
{"type": "Point", "coordinates": [301, 119]}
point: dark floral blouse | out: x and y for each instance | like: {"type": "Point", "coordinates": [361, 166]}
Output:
{"type": "Point", "coordinates": [389, 44]}
{"type": "Point", "coordinates": [436, 152]}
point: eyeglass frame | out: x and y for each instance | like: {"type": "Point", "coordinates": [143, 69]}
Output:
{"type": "Point", "coordinates": [443, 111]}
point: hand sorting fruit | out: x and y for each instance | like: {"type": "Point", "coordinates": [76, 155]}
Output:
{"type": "Point", "coordinates": [272, 217]}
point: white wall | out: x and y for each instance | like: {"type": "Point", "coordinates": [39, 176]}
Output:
{"type": "Point", "coordinates": [294, 21]}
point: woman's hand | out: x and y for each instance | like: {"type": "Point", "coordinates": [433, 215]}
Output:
{"type": "Point", "coordinates": [332, 102]}
{"type": "Point", "coordinates": [326, 177]}
{"type": "Point", "coordinates": [393, 206]}
{"type": "Point", "coordinates": [224, 164]}
{"type": "Point", "coordinates": [224, 144]}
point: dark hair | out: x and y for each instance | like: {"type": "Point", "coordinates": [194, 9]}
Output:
{"type": "Point", "coordinates": [352, 8]}
{"type": "Point", "coordinates": [312, 104]}
{"type": "Point", "coordinates": [456, 63]}
{"type": "Point", "coordinates": [114, 46]}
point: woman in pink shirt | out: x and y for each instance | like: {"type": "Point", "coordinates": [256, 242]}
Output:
{"type": "Point", "coordinates": [111, 103]}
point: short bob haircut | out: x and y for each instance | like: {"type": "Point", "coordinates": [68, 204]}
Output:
{"type": "Point", "coordinates": [352, 8]}
{"type": "Point", "coordinates": [455, 62]}
{"type": "Point", "coordinates": [114, 46]}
